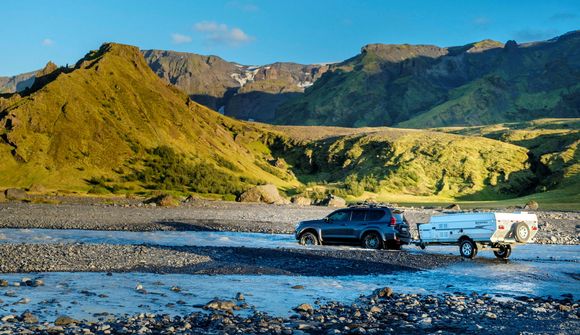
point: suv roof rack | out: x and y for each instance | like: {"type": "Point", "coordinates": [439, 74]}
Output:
{"type": "Point", "coordinates": [366, 204]}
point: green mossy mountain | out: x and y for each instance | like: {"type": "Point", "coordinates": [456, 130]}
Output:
{"type": "Point", "coordinates": [110, 124]}
{"type": "Point", "coordinates": [105, 117]}
{"type": "Point", "coordinates": [419, 86]}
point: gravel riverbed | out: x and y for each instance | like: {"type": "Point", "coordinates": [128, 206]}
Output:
{"type": "Point", "coordinates": [382, 312]}
{"type": "Point", "coordinates": [210, 260]}
{"type": "Point", "coordinates": [201, 215]}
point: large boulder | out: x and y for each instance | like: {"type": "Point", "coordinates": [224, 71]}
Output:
{"type": "Point", "coordinates": [263, 193]}
{"type": "Point", "coordinates": [333, 201]}
{"type": "Point", "coordinates": [16, 194]}
{"type": "Point", "coordinates": [164, 200]}
{"type": "Point", "coordinates": [532, 205]}
{"type": "Point", "coordinates": [301, 200]}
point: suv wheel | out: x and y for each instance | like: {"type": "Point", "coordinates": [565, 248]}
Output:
{"type": "Point", "coordinates": [372, 240]}
{"type": "Point", "coordinates": [467, 248]}
{"type": "Point", "coordinates": [308, 238]}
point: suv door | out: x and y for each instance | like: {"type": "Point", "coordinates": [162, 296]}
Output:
{"type": "Point", "coordinates": [336, 225]}
{"type": "Point", "coordinates": [358, 222]}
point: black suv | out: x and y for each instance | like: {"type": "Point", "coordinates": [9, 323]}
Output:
{"type": "Point", "coordinates": [374, 227]}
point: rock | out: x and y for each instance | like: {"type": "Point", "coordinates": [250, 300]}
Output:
{"type": "Point", "coordinates": [532, 205]}
{"type": "Point", "coordinates": [175, 288]}
{"type": "Point", "coordinates": [220, 305]}
{"type": "Point", "coordinates": [22, 301]}
{"type": "Point", "coordinates": [539, 309]}
{"type": "Point", "coordinates": [263, 193]}
{"type": "Point", "coordinates": [553, 238]}
{"type": "Point", "coordinates": [297, 287]}
{"type": "Point", "coordinates": [240, 297]}
{"type": "Point", "coordinates": [64, 320]}
{"type": "Point", "coordinates": [37, 188]}
{"type": "Point", "coordinates": [301, 200]}
{"type": "Point", "coordinates": [2, 197]}
{"type": "Point", "coordinates": [375, 309]}
{"type": "Point", "coordinates": [28, 317]}
{"type": "Point", "coordinates": [3, 283]}
{"type": "Point", "coordinates": [8, 318]}
{"type": "Point", "coordinates": [306, 308]}
{"type": "Point", "coordinates": [491, 315]}
{"type": "Point", "coordinates": [333, 201]}
{"type": "Point", "coordinates": [167, 201]}
{"type": "Point", "coordinates": [565, 308]}
{"type": "Point", "coordinates": [16, 194]}
{"type": "Point", "coordinates": [385, 292]}
{"type": "Point", "coordinates": [453, 207]}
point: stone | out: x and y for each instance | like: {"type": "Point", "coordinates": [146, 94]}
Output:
{"type": "Point", "coordinates": [491, 315]}
{"type": "Point", "coordinates": [565, 308]}
{"type": "Point", "coordinates": [220, 305]}
{"type": "Point", "coordinates": [16, 194]}
{"type": "Point", "coordinates": [301, 200]}
{"type": "Point", "coordinates": [2, 197]}
{"type": "Point", "coordinates": [64, 320]}
{"type": "Point", "coordinates": [240, 297]}
{"type": "Point", "coordinates": [539, 309]}
{"type": "Point", "coordinates": [306, 308]}
{"type": "Point", "coordinates": [453, 207]}
{"type": "Point", "coordinates": [385, 292]}
{"type": "Point", "coordinates": [3, 283]}
{"type": "Point", "coordinates": [375, 309]}
{"type": "Point", "coordinates": [28, 317]}
{"type": "Point", "coordinates": [333, 201]}
{"type": "Point", "coordinates": [297, 287]}
{"type": "Point", "coordinates": [532, 205]}
{"type": "Point", "coordinates": [37, 188]}
{"type": "Point", "coordinates": [263, 193]}
{"type": "Point", "coordinates": [8, 318]}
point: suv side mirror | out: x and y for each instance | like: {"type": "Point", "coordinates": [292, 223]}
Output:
{"type": "Point", "coordinates": [326, 219]}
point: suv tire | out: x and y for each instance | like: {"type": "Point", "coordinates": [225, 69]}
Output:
{"type": "Point", "coordinates": [309, 238]}
{"type": "Point", "coordinates": [467, 248]}
{"type": "Point", "coordinates": [372, 240]}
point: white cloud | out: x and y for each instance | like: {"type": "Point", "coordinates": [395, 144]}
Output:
{"type": "Point", "coordinates": [243, 6]}
{"type": "Point", "coordinates": [220, 34]}
{"type": "Point", "coordinates": [481, 21]}
{"type": "Point", "coordinates": [180, 38]}
{"type": "Point", "coordinates": [47, 42]}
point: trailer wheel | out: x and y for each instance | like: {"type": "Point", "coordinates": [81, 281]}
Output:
{"type": "Point", "coordinates": [422, 246]}
{"type": "Point", "coordinates": [504, 252]}
{"type": "Point", "coordinates": [467, 248]}
{"type": "Point", "coordinates": [522, 232]}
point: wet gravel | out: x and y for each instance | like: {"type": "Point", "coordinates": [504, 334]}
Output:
{"type": "Point", "coordinates": [201, 215]}
{"type": "Point", "coordinates": [382, 312]}
{"type": "Point", "coordinates": [21, 258]}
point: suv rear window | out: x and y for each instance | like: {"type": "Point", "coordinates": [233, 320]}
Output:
{"type": "Point", "coordinates": [374, 214]}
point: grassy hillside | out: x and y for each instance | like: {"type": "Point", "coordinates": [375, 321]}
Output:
{"type": "Point", "coordinates": [418, 86]}
{"type": "Point", "coordinates": [111, 125]}
{"type": "Point", "coordinates": [553, 149]}
{"type": "Point", "coordinates": [105, 118]}
{"type": "Point", "coordinates": [407, 162]}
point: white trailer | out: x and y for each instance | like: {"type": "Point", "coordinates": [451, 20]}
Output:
{"type": "Point", "coordinates": [474, 231]}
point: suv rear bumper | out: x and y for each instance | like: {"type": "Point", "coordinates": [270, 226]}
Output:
{"type": "Point", "coordinates": [400, 239]}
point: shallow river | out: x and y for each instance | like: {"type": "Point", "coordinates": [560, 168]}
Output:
{"type": "Point", "coordinates": [533, 270]}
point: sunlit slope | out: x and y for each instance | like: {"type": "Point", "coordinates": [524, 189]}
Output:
{"type": "Point", "coordinates": [105, 116]}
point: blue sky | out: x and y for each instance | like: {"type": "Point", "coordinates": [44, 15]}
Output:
{"type": "Point", "coordinates": [260, 32]}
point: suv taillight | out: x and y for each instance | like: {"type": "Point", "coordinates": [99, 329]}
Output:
{"type": "Point", "coordinates": [393, 221]}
